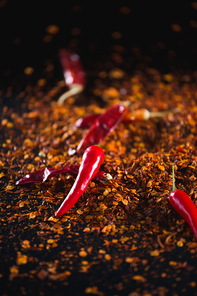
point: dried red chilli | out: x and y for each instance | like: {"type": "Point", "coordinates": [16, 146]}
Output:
{"type": "Point", "coordinates": [73, 73]}
{"type": "Point", "coordinates": [136, 115]}
{"type": "Point", "coordinates": [90, 164]}
{"type": "Point", "coordinates": [184, 206]}
{"type": "Point", "coordinates": [144, 114]}
{"type": "Point", "coordinates": [87, 121]}
{"type": "Point", "coordinates": [44, 174]}
{"type": "Point", "coordinates": [102, 126]}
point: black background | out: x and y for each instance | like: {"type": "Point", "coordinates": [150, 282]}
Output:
{"type": "Point", "coordinates": [147, 25]}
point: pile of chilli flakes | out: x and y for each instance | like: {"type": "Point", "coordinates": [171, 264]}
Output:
{"type": "Point", "coordinates": [138, 156]}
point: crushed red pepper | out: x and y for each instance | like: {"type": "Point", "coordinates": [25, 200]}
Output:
{"type": "Point", "coordinates": [129, 213]}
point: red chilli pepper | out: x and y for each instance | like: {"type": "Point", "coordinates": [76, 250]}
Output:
{"type": "Point", "coordinates": [102, 126]}
{"type": "Point", "coordinates": [183, 205]}
{"type": "Point", "coordinates": [137, 115]}
{"type": "Point", "coordinates": [44, 174]}
{"type": "Point", "coordinates": [90, 164]}
{"type": "Point", "coordinates": [144, 114]}
{"type": "Point", "coordinates": [73, 73]}
{"type": "Point", "coordinates": [87, 121]}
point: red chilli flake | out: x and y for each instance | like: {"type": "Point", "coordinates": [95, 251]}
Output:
{"type": "Point", "coordinates": [90, 164]}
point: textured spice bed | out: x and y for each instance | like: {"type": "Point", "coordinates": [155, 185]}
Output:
{"type": "Point", "coordinates": [122, 237]}
{"type": "Point", "coordinates": [122, 234]}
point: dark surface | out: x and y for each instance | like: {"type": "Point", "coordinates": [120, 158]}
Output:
{"type": "Point", "coordinates": [147, 27]}
{"type": "Point", "coordinates": [23, 26]}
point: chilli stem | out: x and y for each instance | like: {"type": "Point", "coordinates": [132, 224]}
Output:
{"type": "Point", "coordinates": [173, 179]}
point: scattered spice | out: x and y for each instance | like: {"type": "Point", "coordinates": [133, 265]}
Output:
{"type": "Point", "coordinates": [122, 225]}
{"type": "Point", "coordinates": [21, 258]}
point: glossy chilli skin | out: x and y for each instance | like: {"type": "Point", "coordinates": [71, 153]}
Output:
{"type": "Point", "coordinates": [44, 174]}
{"type": "Point", "coordinates": [102, 126]}
{"type": "Point", "coordinates": [90, 164]}
{"type": "Point", "coordinates": [72, 67]}
{"type": "Point", "coordinates": [131, 117]}
{"type": "Point", "coordinates": [139, 115]}
{"type": "Point", "coordinates": [183, 205]}
{"type": "Point", "coordinates": [87, 121]}
{"type": "Point", "coordinates": [74, 73]}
